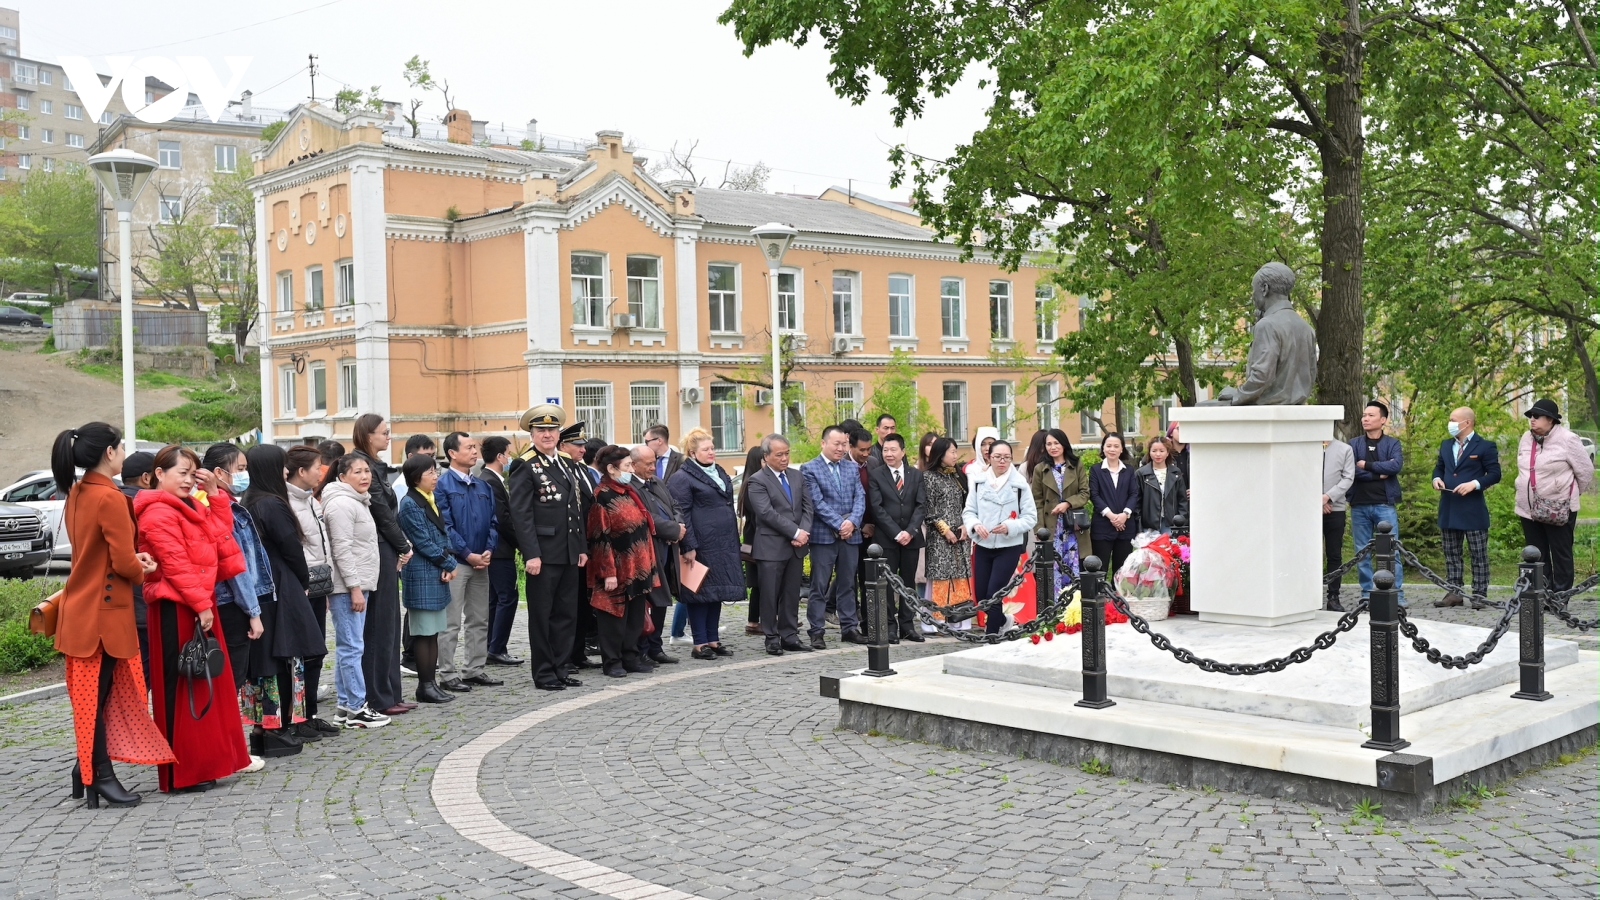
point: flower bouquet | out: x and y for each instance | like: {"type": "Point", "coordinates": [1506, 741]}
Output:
{"type": "Point", "coordinates": [1147, 578]}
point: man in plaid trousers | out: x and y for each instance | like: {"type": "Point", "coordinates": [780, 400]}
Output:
{"type": "Point", "coordinates": [1467, 466]}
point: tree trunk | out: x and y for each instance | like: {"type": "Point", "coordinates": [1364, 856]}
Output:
{"type": "Point", "coordinates": [1591, 385]}
{"type": "Point", "coordinates": [1341, 319]}
{"type": "Point", "coordinates": [1188, 388]}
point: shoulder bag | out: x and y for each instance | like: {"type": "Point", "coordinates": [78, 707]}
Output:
{"type": "Point", "coordinates": [201, 658]}
{"type": "Point", "coordinates": [42, 619]}
{"type": "Point", "coordinates": [1544, 510]}
{"type": "Point", "coordinates": [320, 584]}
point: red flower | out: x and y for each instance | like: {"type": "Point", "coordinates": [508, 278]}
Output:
{"type": "Point", "coordinates": [1034, 638]}
{"type": "Point", "coordinates": [1061, 628]}
{"type": "Point", "coordinates": [1048, 635]}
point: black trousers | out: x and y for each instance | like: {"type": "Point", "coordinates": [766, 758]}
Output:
{"type": "Point", "coordinates": [502, 601]}
{"type": "Point", "coordinates": [780, 597]}
{"type": "Point", "coordinates": [552, 620]}
{"type": "Point", "coordinates": [991, 569]}
{"type": "Point", "coordinates": [752, 583]}
{"type": "Point", "coordinates": [1112, 553]}
{"type": "Point", "coordinates": [1555, 548]}
{"type": "Point", "coordinates": [1333, 546]}
{"type": "Point", "coordinates": [236, 634]}
{"type": "Point", "coordinates": [619, 635]}
{"type": "Point", "coordinates": [650, 644]}
{"type": "Point", "coordinates": [585, 628]}
{"type": "Point", "coordinates": [313, 664]}
{"type": "Point", "coordinates": [380, 657]}
{"type": "Point", "coordinates": [903, 562]}
{"type": "Point", "coordinates": [101, 753]}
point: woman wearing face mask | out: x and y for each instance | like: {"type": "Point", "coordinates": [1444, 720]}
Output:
{"type": "Point", "coordinates": [194, 551]}
{"type": "Point", "coordinates": [305, 470]}
{"type": "Point", "coordinates": [622, 563]}
{"type": "Point", "coordinates": [357, 560]}
{"type": "Point", "coordinates": [999, 515]}
{"type": "Point", "coordinates": [95, 628]}
{"type": "Point", "coordinates": [427, 576]}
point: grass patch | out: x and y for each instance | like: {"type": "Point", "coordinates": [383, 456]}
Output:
{"type": "Point", "coordinates": [20, 649]}
{"type": "Point", "coordinates": [1095, 767]}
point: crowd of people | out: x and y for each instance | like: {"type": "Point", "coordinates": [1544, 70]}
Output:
{"type": "Point", "coordinates": [194, 621]}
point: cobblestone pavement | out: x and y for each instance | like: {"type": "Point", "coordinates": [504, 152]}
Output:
{"type": "Point", "coordinates": [732, 782]}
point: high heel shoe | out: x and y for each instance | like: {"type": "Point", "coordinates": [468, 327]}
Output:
{"type": "Point", "coordinates": [77, 781]}
{"type": "Point", "coordinates": [106, 785]}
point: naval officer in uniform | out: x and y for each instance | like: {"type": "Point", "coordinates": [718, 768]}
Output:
{"type": "Point", "coordinates": [547, 519]}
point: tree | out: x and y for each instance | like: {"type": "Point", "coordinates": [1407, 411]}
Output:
{"type": "Point", "coordinates": [233, 268]}
{"type": "Point", "coordinates": [734, 178]}
{"type": "Point", "coordinates": [350, 100]}
{"type": "Point", "coordinates": [50, 220]}
{"type": "Point", "coordinates": [420, 78]}
{"type": "Point", "coordinates": [894, 391]}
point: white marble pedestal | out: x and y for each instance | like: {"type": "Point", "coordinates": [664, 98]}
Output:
{"type": "Point", "coordinates": [1255, 511]}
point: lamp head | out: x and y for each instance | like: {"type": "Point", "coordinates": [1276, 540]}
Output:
{"type": "Point", "coordinates": [774, 239]}
{"type": "Point", "coordinates": [123, 174]}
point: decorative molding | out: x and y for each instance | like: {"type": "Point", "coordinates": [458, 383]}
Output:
{"type": "Point", "coordinates": [313, 318]}
{"type": "Point", "coordinates": [327, 337]}
{"type": "Point", "coordinates": [343, 314]}
{"type": "Point", "coordinates": [1002, 345]}
{"type": "Point", "coordinates": [908, 344]}
{"type": "Point", "coordinates": [587, 334]}
{"type": "Point", "coordinates": [647, 337]}
{"type": "Point", "coordinates": [954, 345]}
{"type": "Point", "coordinates": [614, 189]}
{"type": "Point", "coordinates": [725, 341]}
{"type": "Point", "coordinates": [283, 321]}
{"type": "Point", "coordinates": [640, 358]}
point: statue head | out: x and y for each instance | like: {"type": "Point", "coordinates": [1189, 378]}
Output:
{"type": "Point", "coordinates": [1272, 281]}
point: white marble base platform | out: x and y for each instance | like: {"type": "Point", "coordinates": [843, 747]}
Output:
{"type": "Point", "coordinates": [1332, 688]}
{"type": "Point", "coordinates": [1461, 736]}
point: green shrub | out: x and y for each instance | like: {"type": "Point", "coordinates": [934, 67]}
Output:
{"type": "Point", "coordinates": [21, 649]}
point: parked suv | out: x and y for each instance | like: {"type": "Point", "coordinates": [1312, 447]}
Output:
{"type": "Point", "coordinates": [37, 491]}
{"type": "Point", "coordinates": [25, 544]}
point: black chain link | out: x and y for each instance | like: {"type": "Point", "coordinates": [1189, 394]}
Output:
{"type": "Point", "coordinates": [927, 612]}
{"type": "Point", "coordinates": [1338, 574]}
{"type": "Point", "coordinates": [1421, 645]}
{"type": "Point", "coordinates": [1411, 561]}
{"type": "Point", "coordinates": [1559, 610]}
{"type": "Point", "coordinates": [1584, 587]}
{"type": "Point", "coordinates": [1322, 641]}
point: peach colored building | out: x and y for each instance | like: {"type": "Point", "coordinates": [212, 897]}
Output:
{"type": "Point", "coordinates": [450, 285]}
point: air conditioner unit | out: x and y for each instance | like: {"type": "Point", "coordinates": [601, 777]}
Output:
{"type": "Point", "coordinates": [624, 321]}
{"type": "Point", "coordinates": [763, 397]}
{"type": "Point", "coordinates": [690, 395]}
{"type": "Point", "coordinates": [841, 346]}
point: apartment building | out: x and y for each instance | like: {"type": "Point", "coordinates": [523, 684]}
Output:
{"type": "Point", "coordinates": [450, 285]}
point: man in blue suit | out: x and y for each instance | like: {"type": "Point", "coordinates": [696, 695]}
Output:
{"type": "Point", "coordinates": [838, 504]}
{"type": "Point", "coordinates": [1467, 466]}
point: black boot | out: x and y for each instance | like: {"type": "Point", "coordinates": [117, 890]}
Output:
{"type": "Point", "coordinates": [77, 781]}
{"type": "Point", "coordinates": [105, 783]}
{"type": "Point", "coordinates": [429, 692]}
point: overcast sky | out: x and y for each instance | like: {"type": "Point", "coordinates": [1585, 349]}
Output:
{"type": "Point", "coordinates": [659, 71]}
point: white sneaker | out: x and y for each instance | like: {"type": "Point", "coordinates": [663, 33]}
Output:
{"type": "Point", "coordinates": [256, 764]}
{"type": "Point", "coordinates": [407, 672]}
{"type": "Point", "coordinates": [365, 717]}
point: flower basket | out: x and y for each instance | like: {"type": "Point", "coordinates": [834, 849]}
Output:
{"type": "Point", "coordinates": [1151, 609]}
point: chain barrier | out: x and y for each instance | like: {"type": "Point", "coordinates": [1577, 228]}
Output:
{"type": "Point", "coordinates": [1560, 611]}
{"type": "Point", "coordinates": [1338, 574]}
{"type": "Point", "coordinates": [1322, 641]}
{"type": "Point", "coordinates": [1413, 563]}
{"type": "Point", "coordinates": [1421, 645]}
{"type": "Point", "coordinates": [927, 612]}
{"type": "Point", "coordinates": [1582, 588]}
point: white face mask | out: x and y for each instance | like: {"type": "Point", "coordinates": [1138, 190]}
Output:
{"type": "Point", "coordinates": [1454, 428]}
{"type": "Point", "coordinates": [624, 477]}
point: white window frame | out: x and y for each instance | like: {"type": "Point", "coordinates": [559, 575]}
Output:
{"type": "Point", "coordinates": [23, 103]}
{"type": "Point", "coordinates": [1164, 408]}
{"type": "Point", "coordinates": [24, 73]}
{"type": "Point", "coordinates": [640, 416]}
{"type": "Point", "coordinates": [317, 382]}
{"type": "Point", "coordinates": [47, 107]}
{"type": "Point", "coordinates": [1001, 310]}
{"type": "Point", "coordinates": [959, 298]}
{"type": "Point", "coordinates": [595, 307]}
{"type": "Point", "coordinates": [849, 399]}
{"type": "Point", "coordinates": [1047, 403]}
{"type": "Point", "coordinates": [1086, 307]}
{"type": "Point", "coordinates": [344, 282]}
{"type": "Point", "coordinates": [171, 209]}
{"type": "Point", "coordinates": [6, 31]}
{"type": "Point", "coordinates": [46, 76]}
{"type": "Point", "coordinates": [24, 132]}
{"type": "Point", "coordinates": [47, 135]}
{"type": "Point", "coordinates": [316, 290]}
{"type": "Point", "coordinates": [49, 164]}
{"type": "Point", "coordinates": [228, 268]}
{"type": "Point", "coordinates": [903, 307]}
{"type": "Point", "coordinates": [1087, 428]}
{"type": "Point", "coordinates": [227, 157]}
{"type": "Point", "coordinates": [791, 304]}
{"type": "Point", "coordinates": [25, 160]}
{"type": "Point", "coordinates": [727, 417]}
{"type": "Point", "coordinates": [349, 386]}
{"type": "Point", "coordinates": [1046, 326]}
{"type": "Point", "coordinates": [649, 312]}
{"type": "Point", "coordinates": [286, 292]}
{"type": "Point", "coordinates": [592, 405]}
{"type": "Point", "coordinates": [288, 402]}
{"type": "Point", "coordinates": [1003, 411]}
{"type": "Point", "coordinates": [722, 306]}
{"type": "Point", "coordinates": [852, 301]}
{"type": "Point", "coordinates": [74, 140]}
{"type": "Point", "coordinates": [73, 111]}
{"type": "Point", "coordinates": [108, 117]}
{"type": "Point", "coordinates": [954, 409]}
{"type": "Point", "coordinates": [169, 154]}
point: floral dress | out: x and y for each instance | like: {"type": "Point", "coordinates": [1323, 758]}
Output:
{"type": "Point", "coordinates": [1065, 539]}
{"type": "Point", "coordinates": [949, 566]}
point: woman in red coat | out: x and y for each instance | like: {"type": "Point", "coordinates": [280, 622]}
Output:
{"type": "Point", "coordinates": [95, 628]}
{"type": "Point", "coordinates": [622, 563]}
{"type": "Point", "coordinates": [194, 550]}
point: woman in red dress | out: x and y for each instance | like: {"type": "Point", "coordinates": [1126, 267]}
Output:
{"type": "Point", "coordinates": [193, 551]}
{"type": "Point", "coordinates": [95, 628]}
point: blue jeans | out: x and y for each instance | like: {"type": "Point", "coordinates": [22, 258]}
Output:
{"type": "Point", "coordinates": [348, 633]}
{"type": "Point", "coordinates": [680, 618]}
{"type": "Point", "coordinates": [1364, 520]}
{"type": "Point", "coordinates": [704, 622]}
{"type": "Point", "coordinates": [833, 576]}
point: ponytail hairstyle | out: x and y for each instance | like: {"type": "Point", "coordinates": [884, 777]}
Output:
{"type": "Point", "coordinates": [80, 448]}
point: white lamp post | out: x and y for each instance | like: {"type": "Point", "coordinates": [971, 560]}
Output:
{"type": "Point", "coordinates": [123, 174]}
{"type": "Point", "coordinates": [774, 238]}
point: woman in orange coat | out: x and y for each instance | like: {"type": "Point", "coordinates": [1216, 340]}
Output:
{"type": "Point", "coordinates": [95, 628]}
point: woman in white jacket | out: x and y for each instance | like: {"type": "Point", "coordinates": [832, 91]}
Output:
{"type": "Point", "coordinates": [999, 516]}
{"type": "Point", "coordinates": [306, 468]}
{"type": "Point", "coordinates": [353, 547]}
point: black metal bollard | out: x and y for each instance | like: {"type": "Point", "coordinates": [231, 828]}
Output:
{"type": "Point", "coordinates": [1384, 606]}
{"type": "Point", "coordinates": [1383, 547]}
{"type": "Point", "coordinates": [878, 614]}
{"type": "Point", "coordinates": [1044, 571]}
{"type": "Point", "coordinates": [1094, 638]}
{"type": "Point", "coordinates": [1530, 626]}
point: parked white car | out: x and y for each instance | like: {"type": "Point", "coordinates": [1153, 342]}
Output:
{"type": "Point", "coordinates": [1588, 446]}
{"type": "Point", "coordinates": [37, 491]}
{"type": "Point", "coordinates": [29, 298]}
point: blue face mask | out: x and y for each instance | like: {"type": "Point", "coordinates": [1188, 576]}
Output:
{"type": "Point", "coordinates": [240, 482]}
{"type": "Point", "coordinates": [624, 477]}
{"type": "Point", "coordinates": [1454, 428]}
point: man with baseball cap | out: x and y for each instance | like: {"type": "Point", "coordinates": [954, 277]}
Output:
{"type": "Point", "coordinates": [547, 519]}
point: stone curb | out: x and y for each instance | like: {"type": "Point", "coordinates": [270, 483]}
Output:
{"type": "Point", "coordinates": [43, 693]}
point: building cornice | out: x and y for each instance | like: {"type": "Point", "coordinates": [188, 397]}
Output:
{"type": "Point", "coordinates": [615, 189]}
{"type": "Point", "coordinates": [862, 245]}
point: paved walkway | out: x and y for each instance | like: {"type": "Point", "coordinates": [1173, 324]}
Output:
{"type": "Point", "coordinates": [727, 779]}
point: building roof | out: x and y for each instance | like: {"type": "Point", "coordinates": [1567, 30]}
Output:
{"type": "Point", "coordinates": [749, 209]}
{"type": "Point", "coordinates": [544, 161]}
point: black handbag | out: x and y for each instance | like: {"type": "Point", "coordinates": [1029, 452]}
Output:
{"type": "Point", "coordinates": [201, 658]}
{"type": "Point", "coordinates": [320, 584]}
{"type": "Point", "coordinates": [959, 612]}
{"type": "Point", "coordinates": [1078, 519]}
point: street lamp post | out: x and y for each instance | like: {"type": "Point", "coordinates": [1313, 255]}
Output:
{"type": "Point", "coordinates": [774, 239]}
{"type": "Point", "coordinates": [123, 174]}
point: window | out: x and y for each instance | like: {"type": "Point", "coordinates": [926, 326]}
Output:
{"type": "Point", "coordinates": [723, 292]}
{"type": "Point", "coordinates": [66, 84]}
{"type": "Point", "coordinates": [25, 161]}
{"type": "Point", "coordinates": [1045, 395]}
{"type": "Point", "coordinates": [23, 101]}
{"type": "Point", "coordinates": [22, 73]}
{"type": "Point", "coordinates": [900, 314]}
{"type": "Point", "coordinates": [1087, 426]}
{"type": "Point", "coordinates": [649, 407]}
{"type": "Point", "coordinates": [46, 108]}
{"type": "Point", "coordinates": [229, 216]}
{"type": "Point", "coordinates": [149, 97]}
{"type": "Point", "coordinates": [1164, 410]}
{"type": "Point", "coordinates": [846, 303]}
{"type": "Point", "coordinates": [46, 76]}
{"type": "Point", "coordinates": [228, 268]}
{"type": "Point", "coordinates": [285, 292]}
{"type": "Point", "coordinates": [227, 158]}
{"type": "Point", "coordinates": [1133, 425]}
{"type": "Point", "coordinates": [588, 290]}
{"type": "Point", "coordinates": [169, 154]}
{"type": "Point", "coordinates": [6, 31]}
{"type": "Point", "coordinates": [644, 291]}
{"type": "Point", "coordinates": [192, 100]}
{"type": "Point", "coordinates": [344, 283]}
{"type": "Point", "coordinates": [49, 164]}
{"type": "Point", "coordinates": [1000, 414]}
{"type": "Point", "coordinates": [952, 315]}
{"type": "Point", "coordinates": [727, 419]}
{"type": "Point", "coordinates": [73, 111]}
{"type": "Point", "coordinates": [1000, 310]}
{"type": "Point", "coordinates": [314, 288]}
{"type": "Point", "coordinates": [955, 409]}
{"type": "Point", "coordinates": [593, 408]}
{"type": "Point", "coordinates": [847, 399]}
{"type": "Point", "coordinates": [108, 117]}
{"type": "Point", "coordinates": [47, 135]}
{"type": "Point", "coordinates": [1085, 311]}
{"type": "Point", "coordinates": [319, 389]}
{"type": "Point", "coordinates": [74, 140]}
{"type": "Point", "coordinates": [788, 301]}
{"type": "Point", "coordinates": [171, 209]}
{"type": "Point", "coordinates": [794, 404]}
{"type": "Point", "coordinates": [24, 132]}
{"type": "Point", "coordinates": [349, 395]}
{"type": "Point", "coordinates": [1044, 312]}
{"type": "Point", "coordinates": [286, 390]}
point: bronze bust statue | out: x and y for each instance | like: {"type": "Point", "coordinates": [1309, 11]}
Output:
{"type": "Point", "coordinates": [1283, 351]}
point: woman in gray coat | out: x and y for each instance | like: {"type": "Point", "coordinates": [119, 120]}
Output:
{"type": "Point", "coordinates": [353, 543]}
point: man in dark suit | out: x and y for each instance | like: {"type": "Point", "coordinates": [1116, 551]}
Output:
{"type": "Point", "coordinates": [575, 448]}
{"type": "Point", "coordinates": [781, 506]}
{"type": "Point", "coordinates": [503, 560]}
{"type": "Point", "coordinates": [668, 458]}
{"type": "Point", "coordinates": [1467, 466]}
{"type": "Point", "coordinates": [547, 517]}
{"type": "Point", "coordinates": [897, 503]}
{"type": "Point", "coordinates": [669, 541]}
{"type": "Point", "coordinates": [884, 427]}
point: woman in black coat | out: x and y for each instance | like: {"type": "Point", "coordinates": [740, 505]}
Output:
{"type": "Point", "coordinates": [380, 660]}
{"type": "Point", "coordinates": [705, 497]}
{"type": "Point", "coordinates": [1163, 490]}
{"type": "Point", "coordinates": [1114, 490]}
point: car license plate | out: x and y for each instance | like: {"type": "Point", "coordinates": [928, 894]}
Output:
{"type": "Point", "coordinates": [16, 547]}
